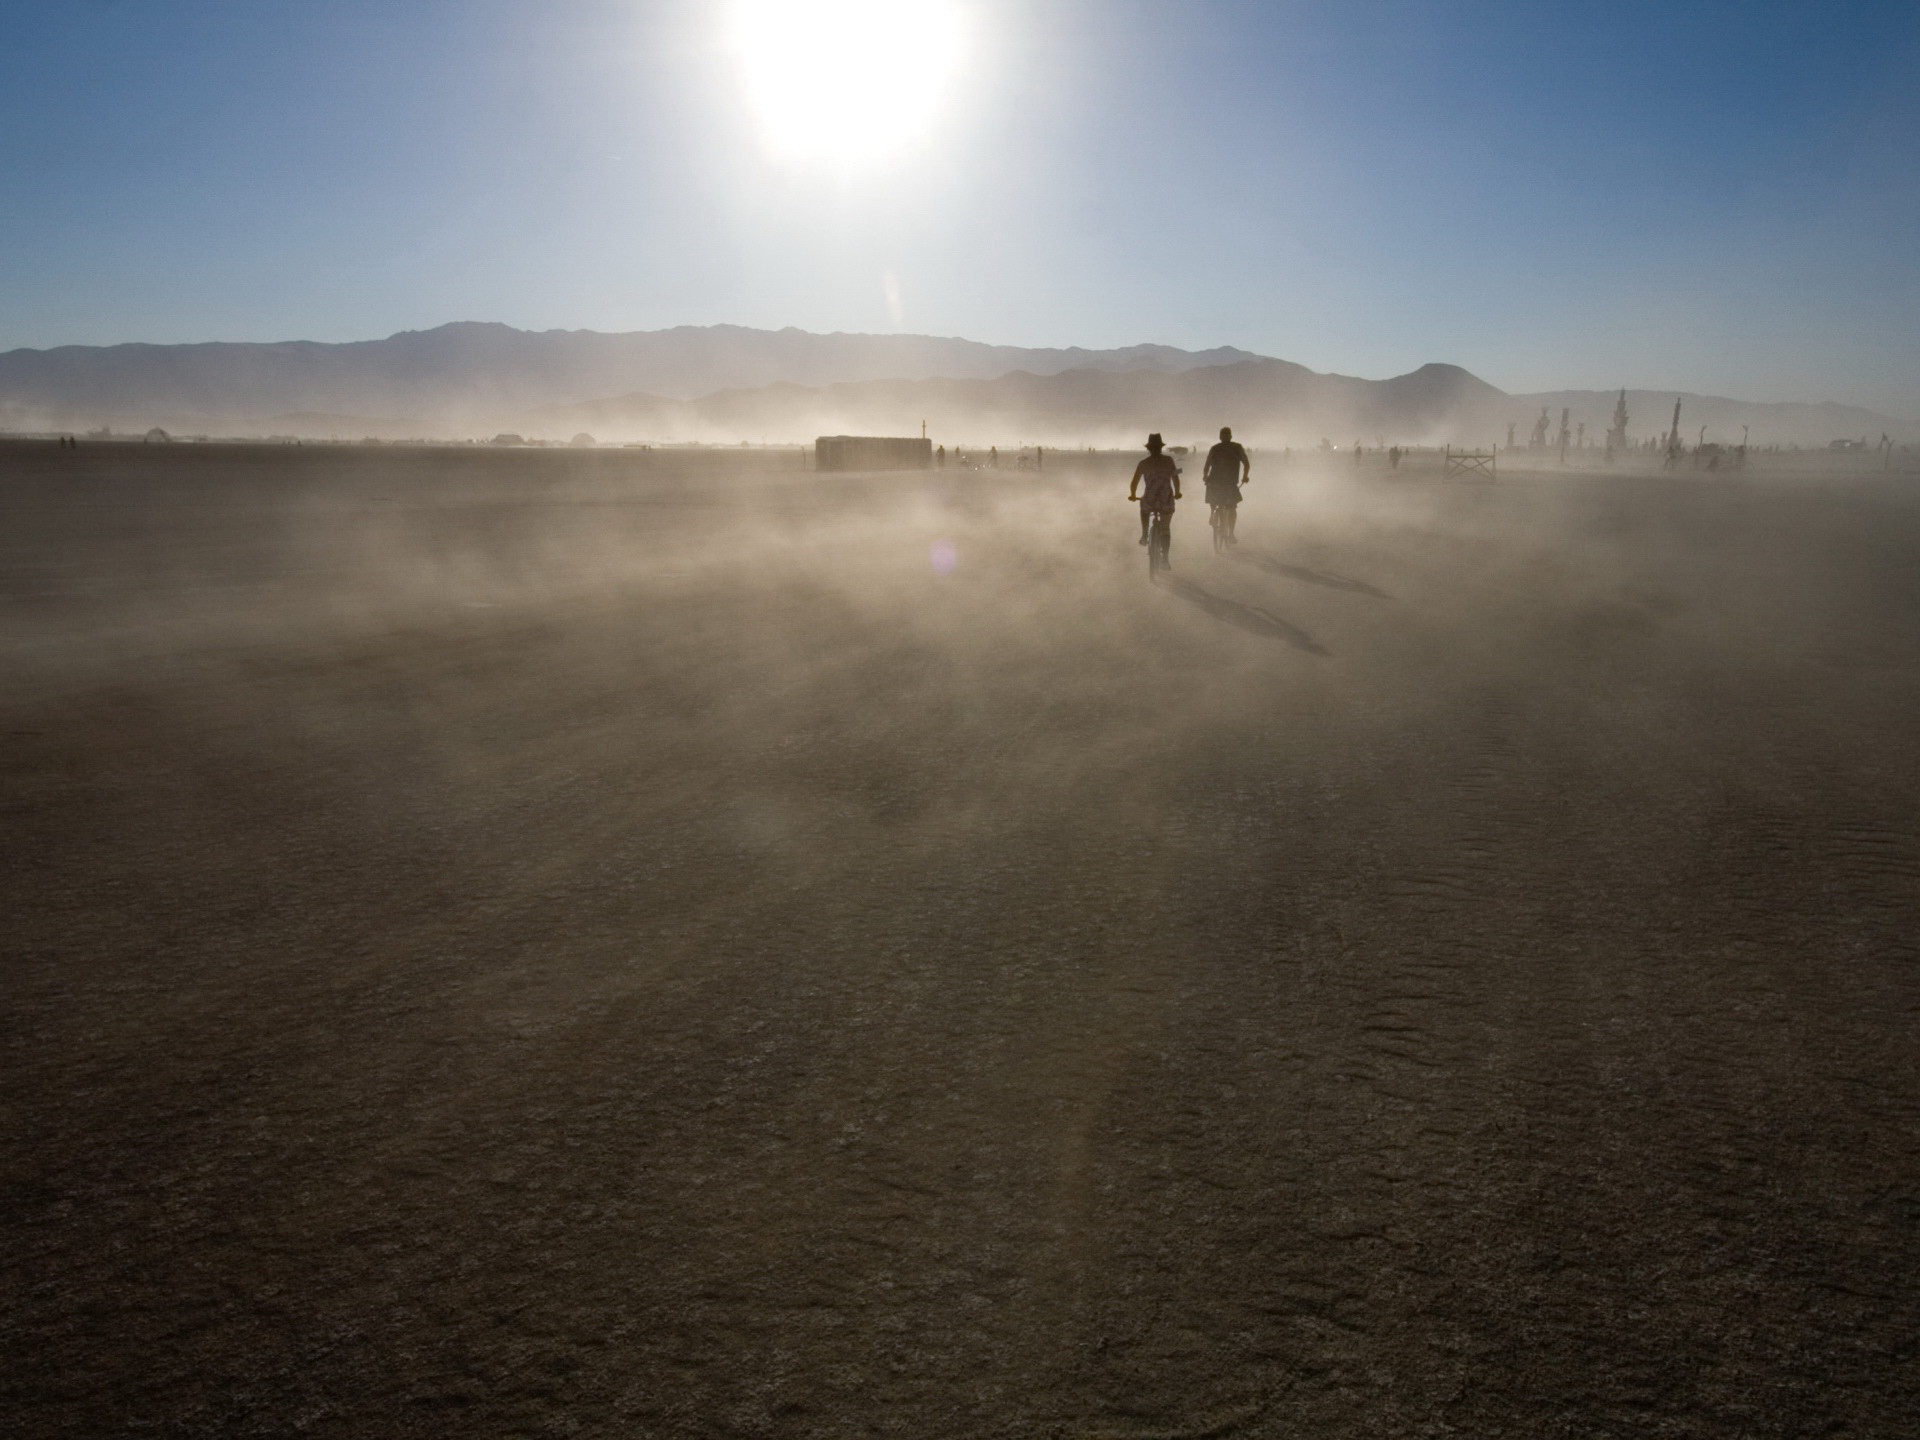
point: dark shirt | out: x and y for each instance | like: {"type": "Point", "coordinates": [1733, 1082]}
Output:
{"type": "Point", "coordinates": [1225, 461]}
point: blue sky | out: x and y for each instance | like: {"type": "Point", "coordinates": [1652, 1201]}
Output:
{"type": "Point", "coordinates": [1718, 197]}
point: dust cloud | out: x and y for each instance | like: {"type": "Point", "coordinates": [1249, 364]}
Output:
{"type": "Point", "coordinates": [672, 943]}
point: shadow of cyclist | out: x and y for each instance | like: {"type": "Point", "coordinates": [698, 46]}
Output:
{"type": "Point", "coordinates": [1250, 618]}
{"type": "Point", "coordinates": [1312, 577]}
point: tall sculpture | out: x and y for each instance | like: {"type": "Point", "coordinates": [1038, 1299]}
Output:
{"type": "Point", "coordinates": [1540, 428]}
{"type": "Point", "coordinates": [1617, 436]}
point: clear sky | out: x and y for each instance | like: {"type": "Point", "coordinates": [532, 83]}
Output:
{"type": "Point", "coordinates": [1721, 197]}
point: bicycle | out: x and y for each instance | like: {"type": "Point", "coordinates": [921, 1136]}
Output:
{"type": "Point", "coordinates": [1217, 518]}
{"type": "Point", "coordinates": [1159, 539]}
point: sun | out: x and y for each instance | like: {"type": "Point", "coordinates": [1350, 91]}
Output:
{"type": "Point", "coordinates": [846, 82]}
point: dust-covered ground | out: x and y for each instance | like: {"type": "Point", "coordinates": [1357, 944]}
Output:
{"type": "Point", "coordinates": [528, 943]}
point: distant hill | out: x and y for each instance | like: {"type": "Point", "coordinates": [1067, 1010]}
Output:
{"type": "Point", "coordinates": [467, 376]}
{"type": "Point", "coordinates": [1268, 402]}
{"type": "Point", "coordinates": [727, 383]}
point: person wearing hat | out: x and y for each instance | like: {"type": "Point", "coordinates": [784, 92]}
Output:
{"type": "Point", "coordinates": [1156, 485]}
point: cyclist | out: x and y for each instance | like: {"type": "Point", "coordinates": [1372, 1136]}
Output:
{"type": "Point", "coordinates": [1156, 485]}
{"type": "Point", "coordinates": [1227, 470]}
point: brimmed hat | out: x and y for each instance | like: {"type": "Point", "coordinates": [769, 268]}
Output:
{"type": "Point", "coordinates": [1154, 442]}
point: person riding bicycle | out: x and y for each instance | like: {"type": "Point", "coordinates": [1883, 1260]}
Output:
{"type": "Point", "coordinates": [1227, 470]}
{"type": "Point", "coordinates": [1156, 485]}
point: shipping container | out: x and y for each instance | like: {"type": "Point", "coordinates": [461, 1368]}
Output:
{"type": "Point", "coordinates": [871, 452]}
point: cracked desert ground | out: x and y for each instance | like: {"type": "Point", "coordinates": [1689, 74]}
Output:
{"type": "Point", "coordinates": [622, 944]}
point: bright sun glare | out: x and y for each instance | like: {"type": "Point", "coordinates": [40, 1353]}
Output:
{"type": "Point", "coordinates": [846, 81]}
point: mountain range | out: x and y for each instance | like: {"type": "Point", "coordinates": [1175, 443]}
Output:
{"type": "Point", "coordinates": [1269, 401]}
{"type": "Point", "coordinates": [728, 383]}
{"type": "Point", "coordinates": [473, 371]}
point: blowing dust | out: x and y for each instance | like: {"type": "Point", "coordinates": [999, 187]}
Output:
{"type": "Point", "coordinates": [652, 943]}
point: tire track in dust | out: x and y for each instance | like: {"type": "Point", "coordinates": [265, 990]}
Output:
{"type": "Point", "coordinates": [1402, 986]}
{"type": "Point", "coordinates": [1878, 868]}
{"type": "Point", "coordinates": [1463, 857]}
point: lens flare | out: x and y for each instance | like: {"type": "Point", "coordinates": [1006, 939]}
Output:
{"type": "Point", "coordinates": [846, 81]}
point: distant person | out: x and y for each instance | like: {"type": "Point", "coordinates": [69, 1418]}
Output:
{"type": "Point", "coordinates": [1156, 485]}
{"type": "Point", "coordinates": [993, 457]}
{"type": "Point", "coordinates": [1393, 458]}
{"type": "Point", "coordinates": [1227, 469]}
{"type": "Point", "coordinates": [940, 456]}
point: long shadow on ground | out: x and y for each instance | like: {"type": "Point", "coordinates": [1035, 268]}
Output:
{"type": "Point", "coordinates": [1312, 577]}
{"type": "Point", "coordinates": [1250, 618]}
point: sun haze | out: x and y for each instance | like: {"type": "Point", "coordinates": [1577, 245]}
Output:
{"type": "Point", "coordinates": [845, 82]}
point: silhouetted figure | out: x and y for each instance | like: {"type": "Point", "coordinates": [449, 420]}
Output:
{"type": "Point", "coordinates": [1393, 458]}
{"type": "Point", "coordinates": [1540, 428]}
{"type": "Point", "coordinates": [940, 456]}
{"type": "Point", "coordinates": [1226, 470]}
{"type": "Point", "coordinates": [1039, 457]}
{"type": "Point", "coordinates": [993, 456]}
{"type": "Point", "coordinates": [1156, 485]}
{"type": "Point", "coordinates": [1510, 430]}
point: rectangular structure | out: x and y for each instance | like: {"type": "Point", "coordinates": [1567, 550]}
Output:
{"type": "Point", "coordinates": [871, 452]}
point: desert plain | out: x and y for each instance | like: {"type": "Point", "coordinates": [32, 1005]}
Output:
{"type": "Point", "coordinates": [625, 943]}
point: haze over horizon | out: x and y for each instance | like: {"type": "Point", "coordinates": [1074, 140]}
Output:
{"type": "Point", "coordinates": [1719, 201]}
{"type": "Point", "coordinates": [727, 384]}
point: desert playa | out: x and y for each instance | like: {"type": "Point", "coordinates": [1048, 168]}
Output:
{"type": "Point", "coordinates": [652, 943]}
